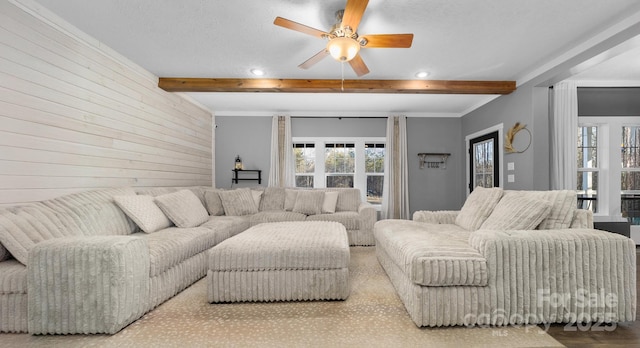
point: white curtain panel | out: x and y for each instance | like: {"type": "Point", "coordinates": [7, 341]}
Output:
{"type": "Point", "coordinates": [395, 193]}
{"type": "Point", "coordinates": [564, 137]}
{"type": "Point", "coordinates": [281, 171]}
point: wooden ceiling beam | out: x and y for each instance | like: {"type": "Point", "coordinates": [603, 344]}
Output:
{"type": "Point", "coordinates": [173, 84]}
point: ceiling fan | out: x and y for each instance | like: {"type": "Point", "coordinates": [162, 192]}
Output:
{"type": "Point", "coordinates": [344, 42]}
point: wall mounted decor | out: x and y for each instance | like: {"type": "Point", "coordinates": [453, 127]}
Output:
{"type": "Point", "coordinates": [510, 137]}
{"type": "Point", "coordinates": [433, 160]}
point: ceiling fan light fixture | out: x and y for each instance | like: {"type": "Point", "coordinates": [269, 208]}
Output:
{"type": "Point", "coordinates": [343, 49]}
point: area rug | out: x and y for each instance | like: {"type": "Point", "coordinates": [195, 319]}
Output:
{"type": "Point", "coordinates": [372, 316]}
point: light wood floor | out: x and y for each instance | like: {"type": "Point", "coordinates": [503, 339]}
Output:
{"type": "Point", "coordinates": [623, 335]}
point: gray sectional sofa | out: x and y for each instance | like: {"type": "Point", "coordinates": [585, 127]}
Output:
{"type": "Point", "coordinates": [95, 261]}
{"type": "Point", "coordinates": [509, 258]}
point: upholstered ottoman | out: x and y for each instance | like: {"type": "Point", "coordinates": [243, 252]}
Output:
{"type": "Point", "coordinates": [283, 261]}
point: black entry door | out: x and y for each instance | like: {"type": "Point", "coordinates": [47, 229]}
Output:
{"type": "Point", "coordinates": [484, 162]}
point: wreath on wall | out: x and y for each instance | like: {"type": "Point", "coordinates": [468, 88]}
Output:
{"type": "Point", "coordinates": [511, 134]}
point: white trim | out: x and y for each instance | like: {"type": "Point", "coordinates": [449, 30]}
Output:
{"type": "Point", "coordinates": [359, 178]}
{"type": "Point", "coordinates": [354, 114]}
{"type": "Point", "coordinates": [500, 128]}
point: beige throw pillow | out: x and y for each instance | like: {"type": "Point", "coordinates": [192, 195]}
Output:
{"type": "Point", "coordinates": [238, 202]}
{"type": "Point", "coordinates": [516, 212]}
{"type": "Point", "coordinates": [290, 199]}
{"type": "Point", "coordinates": [309, 202]}
{"type": "Point", "coordinates": [257, 197]}
{"type": "Point", "coordinates": [214, 204]}
{"type": "Point", "coordinates": [478, 207]}
{"type": "Point", "coordinates": [144, 212]}
{"type": "Point", "coordinates": [330, 202]}
{"type": "Point", "coordinates": [184, 208]}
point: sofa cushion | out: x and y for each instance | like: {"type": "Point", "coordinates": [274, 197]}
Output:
{"type": "Point", "coordinates": [330, 201]}
{"type": "Point", "coordinates": [309, 202]}
{"type": "Point", "coordinates": [432, 254]}
{"type": "Point", "coordinates": [275, 216]}
{"type": "Point", "coordinates": [238, 202]}
{"type": "Point", "coordinates": [349, 219]}
{"type": "Point", "coordinates": [563, 207]}
{"type": "Point", "coordinates": [348, 199]}
{"type": "Point", "coordinates": [22, 227]}
{"type": "Point", "coordinates": [517, 212]}
{"type": "Point", "coordinates": [172, 245]}
{"type": "Point", "coordinates": [257, 197]}
{"type": "Point", "coordinates": [213, 202]}
{"type": "Point", "coordinates": [183, 208]}
{"type": "Point", "coordinates": [290, 199]}
{"type": "Point", "coordinates": [94, 212]}
{"type": "Point", "coordinates": [273, 199]}
{"type": "Point", "coordinates": [144, 212]}
{"type": "Point", "coordinates": [478, 207]}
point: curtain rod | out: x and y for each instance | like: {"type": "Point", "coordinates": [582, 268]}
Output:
{"type": "Point", "coordinates": [339, 117]}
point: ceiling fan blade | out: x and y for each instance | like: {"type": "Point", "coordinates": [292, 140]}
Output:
{"type": "Point", "coordinates": [388, 40]}
{"type": "Point", "coordinates": [313, 60]}
{"type": "Point", "coordinates": [358, 65]}
{"type": "Point", "coordinates": [289, 24]}
{"type": "Point", "coordinates": [353, 13]}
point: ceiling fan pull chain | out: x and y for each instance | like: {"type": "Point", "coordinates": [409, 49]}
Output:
{"type": "Point", "coordinates": [342, 68]}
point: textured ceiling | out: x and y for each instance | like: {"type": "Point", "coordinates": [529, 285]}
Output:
{"type": "Point", "coordinates": [462, 39]}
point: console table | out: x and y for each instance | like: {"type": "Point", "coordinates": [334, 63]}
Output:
{"type": "Point", "coordinates": [236, 177]}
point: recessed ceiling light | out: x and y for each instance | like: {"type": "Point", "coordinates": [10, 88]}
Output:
{"type": "Point", "coordinates": [422, 74]}
{"type": "Point", "coordinates": [257, 72]}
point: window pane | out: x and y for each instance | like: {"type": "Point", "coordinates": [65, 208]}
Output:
{"type": "Point", "coordinates": [587, 147]}
{"type": "Point", "coordinates": [630, 207]}
{"type": "Point", "coordinates": [340, 158]}
{"type": "Point", "coordinates": [629, 181]}
{"type": "Point", "coordinates": [587, 183]}
{"type": "Point", "coordinates": [340, 181]}
{"type": "Point", "coordinates": [630, 143]}
{"type": "Point", "coordinates": [305, 157]}
{"type": "Point", "coordinates": [374, 188]}
{"type": "Point", "coordinates": [304, 181]}
{"type": "Point", "coordinates": [374, 158]}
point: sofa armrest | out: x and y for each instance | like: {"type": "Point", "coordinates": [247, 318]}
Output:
{"type": "Point", "coordinates": [582, 218]}
{"type": "Point", "coordinates": [87, 285]}
{"type": "Point", "coordinates": [368, 216]}
{"type": "Point", "coordinates": [562, 275]}
{"type": "Point", "coordinates": [436, 217]}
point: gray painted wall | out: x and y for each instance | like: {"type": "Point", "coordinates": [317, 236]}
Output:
{"type": "Point", "coordinates": [528, 105]}
{"type": "Point", "coordinates": [607, 101]}
{"type": "Point", "coordinates": [433, 189]}
{"type": "Point", "coordinates": [249, 137]}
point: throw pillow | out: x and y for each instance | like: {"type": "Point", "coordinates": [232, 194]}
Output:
{"type": "Point", "coordinates": [309, 202]}
{"type": "Point", "coordinates": [238, 202]}
{"type": "Point", "coordinates": [214, 204]}
{"type": "Point", "coordinates": [330, 201]}
{"type": "Point", "coordinates": [184, 208]}
{"type": "Point", "coordinates": [478, 207]}
{"type": "Point", "coordinates": [563, 207]}
{"type": "Point", "coordinates": [144, 212]}
{"type": "Point", "coordinates": [290, 199]}
{"type": "Point", "coordinates": [257, 197]}
{"type": "Point", "coordinates": [515, 212]}
{"type": "Point", "coordinates": [273, 199]}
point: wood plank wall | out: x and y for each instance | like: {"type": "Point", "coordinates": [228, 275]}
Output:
{"type": "Point", "coordinates": [75, 115]}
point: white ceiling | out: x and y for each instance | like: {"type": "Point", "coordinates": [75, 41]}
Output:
{"type": "Point", "coordinates": [461, 39]}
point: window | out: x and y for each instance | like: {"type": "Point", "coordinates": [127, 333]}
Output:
{"type": "Point", "coordinates": [305, 161]}
{"type": "Point", "coordinates": [587, 181]}
{"type": "Point", "coordinates": [341, 162]}
{"type": "Point", "coordinates": [374, 169]}
{"type": "Point", "coordinates": [630, 173]}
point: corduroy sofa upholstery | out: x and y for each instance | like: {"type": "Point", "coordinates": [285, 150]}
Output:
{"type": "Point", "coordinates": [92, 270]}
{"type": "Point", "coordinates": [559, 271]}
